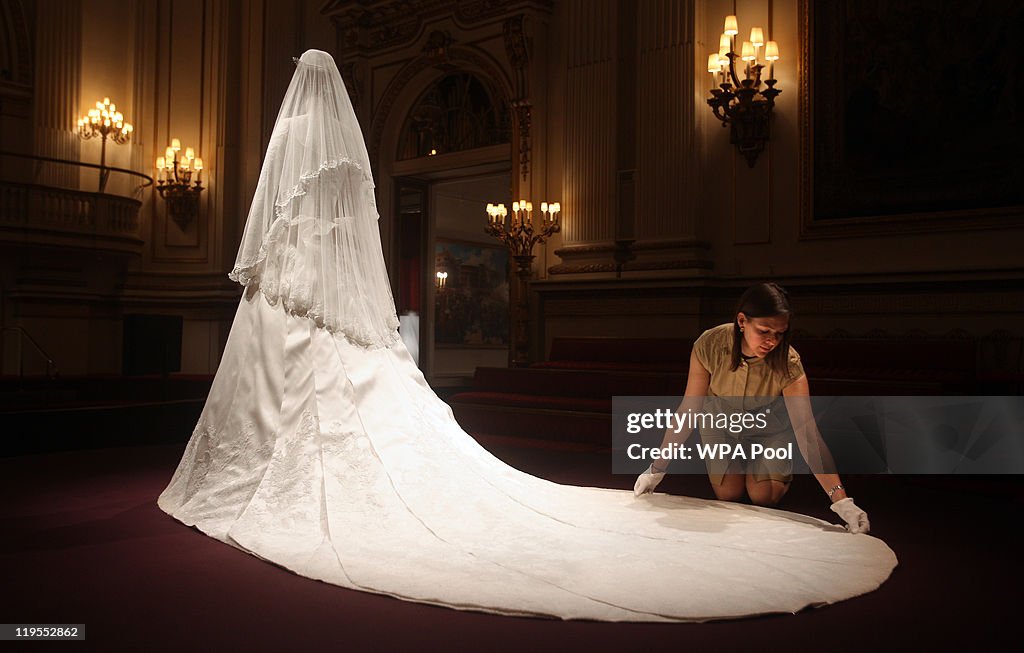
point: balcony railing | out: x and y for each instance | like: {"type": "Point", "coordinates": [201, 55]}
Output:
{"type": "Point", "coordinates": [34, 213]}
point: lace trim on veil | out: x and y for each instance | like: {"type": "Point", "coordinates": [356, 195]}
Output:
{"type": "Point", "coordinates": [299, 189]}
{"type": "Point", "coordinates": [250, 274]}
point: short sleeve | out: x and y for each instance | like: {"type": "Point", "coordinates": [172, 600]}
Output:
{"type": "Point", "coordinates": [795, 367]}
{"type": "Point", "coordinates": [702, 348]}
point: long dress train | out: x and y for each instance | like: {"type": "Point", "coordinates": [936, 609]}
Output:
{"type": "Point", "coordinates": [339, 463]}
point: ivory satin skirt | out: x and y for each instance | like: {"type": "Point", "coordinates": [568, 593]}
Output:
{"type": "Point", "coordinates": [340, 464]}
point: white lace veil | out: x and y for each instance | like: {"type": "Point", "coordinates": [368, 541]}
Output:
{"type": "Point", "coordinates": [311, 239]}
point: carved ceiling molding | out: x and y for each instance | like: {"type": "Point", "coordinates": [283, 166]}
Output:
{"type": "Point", "coordinates": [370, 27]}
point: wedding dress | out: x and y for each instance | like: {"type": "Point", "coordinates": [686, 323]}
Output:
{"type": "Point", "coordinates": [322, 449]}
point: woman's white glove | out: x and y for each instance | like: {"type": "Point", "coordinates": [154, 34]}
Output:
{"type": "Point", "coordinates": [646, 482]}
{"type": "Point", "coordinates": [855, 518]}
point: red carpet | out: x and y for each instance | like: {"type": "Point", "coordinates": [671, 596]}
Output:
{"type": "Point", "coordinates": [84, 542]}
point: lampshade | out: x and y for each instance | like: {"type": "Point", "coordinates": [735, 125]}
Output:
{"type": "Point", "coordinates": [731, 27]}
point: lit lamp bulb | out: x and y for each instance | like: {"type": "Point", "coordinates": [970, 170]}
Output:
{"type": "Point", "coordinates": [713, 67]}
{"type": "Point", "coordinates": [549, 211]}
{"type": "Point", "coordinates": [198, 167]}
{"type": "Point", "coordinates": [757, 37]}
{"type": "Point", "coordinates": [771, 53]}
{"type": "Point", "coordinates": [731, 26]}
{"type": "Point", "coordinates": [160, 164]}
{"type": "Point", "coordinates": [175, 144]}
{"type": "Point", "coordinates": [724, 45]}
{"type": "Point", "coordinates": [190, 153]}
{"type": "Point", "coordinates": [748, 55]}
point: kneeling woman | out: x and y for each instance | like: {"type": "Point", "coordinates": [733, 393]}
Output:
{"type": "Point", "coordinates": [751, 357]}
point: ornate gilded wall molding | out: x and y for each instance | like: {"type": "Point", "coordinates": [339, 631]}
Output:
{"type": "Point", "coordinates": [517, 44]}
{"type": "Point", "coordinates": [464, 57]}
{"type": "Point", "coordinates": [517, 48]}
{"type": "Point", "coordinates": [17, 61]}
{"type": "Point", "coordinates": [353, 83]}
{"type": "Point", "coordinates": [386, 24]}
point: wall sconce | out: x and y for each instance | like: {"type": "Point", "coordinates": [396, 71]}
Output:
{"type": "Point", "coordinates": [106, 122]}
{"type": "Point", "coordinates": [175, 184]}
{"type": "Point", "coordinates": [741, 103]}
{"type": "Point", "coordinates": [441, 279]}
{"type": "Point", "coordinates": [520, 237]}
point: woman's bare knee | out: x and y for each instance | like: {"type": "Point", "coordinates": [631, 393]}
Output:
{"type": "Point", "coordinates": [767, 492]}
{"type": "Point", "coordinates": [730, 489]}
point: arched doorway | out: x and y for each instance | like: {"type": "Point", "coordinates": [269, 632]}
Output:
{"type": "Point", "coordinates": [452, 155]}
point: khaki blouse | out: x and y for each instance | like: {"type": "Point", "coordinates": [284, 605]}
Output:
{"type": "Point", "coordinates": [753, 378]}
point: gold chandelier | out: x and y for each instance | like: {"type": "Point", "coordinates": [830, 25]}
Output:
{"type": "Point", "coordinates": [521, 234]}
{"type": "Point", "coordinates": [739, 100]}
{"type": "Point", "coordinates": [105, 122]}
{"type": "Point", "coordinates": [176, 185]}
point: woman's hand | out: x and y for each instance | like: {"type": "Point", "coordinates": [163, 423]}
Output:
{"type": "Point", "coordinates": [698, 380]}
{"type": "Point", "coordinates": [855, 518]}
{"type": "Point", "coordinates": [646, 482]}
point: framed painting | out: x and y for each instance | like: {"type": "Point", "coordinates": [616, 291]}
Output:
{"type": "Point", "coordinates": [471, 294]}
{"type": "Point", "coordinates": [911, 116]}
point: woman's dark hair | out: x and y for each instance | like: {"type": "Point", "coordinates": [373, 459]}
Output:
{"type": "Point", "coordinates": [764, 300]}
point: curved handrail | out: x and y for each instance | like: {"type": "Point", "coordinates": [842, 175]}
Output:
{"type": "Point", "coordinates": [101, 168]}
{"type": "Point", "coordinates": [27, 336]}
